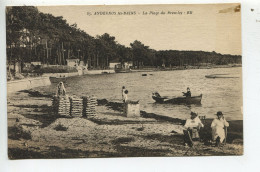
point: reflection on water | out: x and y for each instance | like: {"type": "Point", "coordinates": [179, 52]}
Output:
{"type": "Point", "coordinates": [223, 94]}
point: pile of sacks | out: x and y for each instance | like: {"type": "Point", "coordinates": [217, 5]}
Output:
{"type": "Point", "coordinates": [76, 106]}
{"type": "Point", "coordinates": [61, 105]}
{"type": "Point", "coordinates": [73, 106]}
{"type": "Point", "coordinates": [89, 106]}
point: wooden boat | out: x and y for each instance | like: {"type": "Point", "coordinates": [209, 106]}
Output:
{"type": "Point", "coordinates": [56, 79]}
{"type": "Point", "coordinates": [213, 76]}
{"type": "Point", "coordinates": [177, 100]}
{"type": "Point", "coordinates": [122, 70]}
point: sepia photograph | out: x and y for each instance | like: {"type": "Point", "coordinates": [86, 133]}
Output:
{"type": "Point", "coordinates": [110, 81]}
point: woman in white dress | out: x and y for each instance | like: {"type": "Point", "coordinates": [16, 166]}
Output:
{"type": "Point", "coordinates": [218, 128]}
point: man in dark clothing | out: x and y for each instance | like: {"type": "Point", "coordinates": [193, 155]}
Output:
{"type": "Point", "coordinates": [188, 93]}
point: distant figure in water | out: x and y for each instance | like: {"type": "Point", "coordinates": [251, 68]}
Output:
{"type": "Point", "coordinates": [123, 92]}
{"type": "Point", "coordinates": [125, 98]}
{"type": "Point", "coordinates": [192, 127]}
{"type": "Point", "coordinates": [61, 91]}
{"type": "Point", "coordinates": [218, 126]}
{"type": "Point", "coordinates": [188, 93]}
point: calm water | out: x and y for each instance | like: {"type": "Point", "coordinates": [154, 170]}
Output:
{"type": "Point", "coordinates": [223, 94]}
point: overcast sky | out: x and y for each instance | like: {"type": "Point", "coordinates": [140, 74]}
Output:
{"type": "Point", "coordinates": [208, 28]}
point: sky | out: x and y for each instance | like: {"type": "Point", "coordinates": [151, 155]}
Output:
{"type": "Point", "coordinates": [210, 27]}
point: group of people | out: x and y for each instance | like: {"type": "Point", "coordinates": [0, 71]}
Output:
{"type": "Point", "coordinates": [194, 124]}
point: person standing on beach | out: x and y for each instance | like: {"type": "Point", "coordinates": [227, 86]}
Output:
{"type": "Point", "coordinates": [192, 127]}
{"type": "Point", "coordinates": [125, 96]}
{"type": "Point", "coordinates": [123, 92]}
{"type": "Point", "coordinates": [218, 126]}
{"type": "Point", "coordinates": [61, 91]}
{"type": "Point", "coordinates": [188, 93]}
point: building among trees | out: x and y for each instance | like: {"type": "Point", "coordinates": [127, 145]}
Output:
{"type": "Point", "coordinates": [35, 36]}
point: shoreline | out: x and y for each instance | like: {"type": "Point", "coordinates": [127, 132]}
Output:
{"type": "Point", "coordinates": [185, 68]}
{"type": "Point", "coordinates": [154, 69]}
{"type": "Point", "coordinates": [27, 83]}
{"type": "Point", "coordinates": [35, 132]}
{"type": "Point", "coordinates": [47, 78]}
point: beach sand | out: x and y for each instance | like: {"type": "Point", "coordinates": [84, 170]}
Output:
{"type": "Point", "coordinates": [35, 131]}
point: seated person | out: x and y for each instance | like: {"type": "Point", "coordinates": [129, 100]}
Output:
{"type": "Point", "coordinates": [192, 127]}
{"type": "Point", "coordinates": [218, 128]}
{"type": "Point", "coordinates": [188, 93]}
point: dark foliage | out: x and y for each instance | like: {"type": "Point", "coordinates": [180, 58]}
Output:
{"type": "Point", "coordinates": [35, 36]}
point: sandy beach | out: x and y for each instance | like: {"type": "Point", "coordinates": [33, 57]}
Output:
{"type": "Point", "coordinates": [34, 131]}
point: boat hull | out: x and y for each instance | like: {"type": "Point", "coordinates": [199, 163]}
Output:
{"type": "Point", "coordinates": [214, 76]}
{"type": "Point", "coordinates": [179, 100]}
{"type": "Point", "coordinates": [122, 70]}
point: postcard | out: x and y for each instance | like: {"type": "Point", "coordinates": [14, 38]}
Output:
{"type": "Point", "coordinates": [102, 81]}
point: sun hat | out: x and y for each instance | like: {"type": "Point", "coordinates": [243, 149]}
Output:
{"type": "Point", "coordinates": [193, 113]}
{"type": "Point", "coordinates": [219, 113]}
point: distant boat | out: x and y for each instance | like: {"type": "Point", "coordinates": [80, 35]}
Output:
{"type": "Point", "coordinates": [57, 79]}
{"type": "Point", "coordinates": [177, 100]}
{"type": "Point", "coordinates": [213, 76]}
{"type": "Point", "coordinates": [122, 70]}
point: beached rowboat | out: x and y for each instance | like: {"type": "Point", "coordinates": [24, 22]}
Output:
{"type": "Point", "coordinates": [177, 100]}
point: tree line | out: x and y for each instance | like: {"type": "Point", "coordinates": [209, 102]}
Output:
{"type": "Point", "coordinates": [35, 36]}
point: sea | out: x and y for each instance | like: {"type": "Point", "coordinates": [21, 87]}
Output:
{"type": "Point", "coordinates": [219, 94]}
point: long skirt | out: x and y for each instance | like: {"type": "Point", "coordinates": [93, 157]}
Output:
{"type": "Point", "coordinates": [218, 132]}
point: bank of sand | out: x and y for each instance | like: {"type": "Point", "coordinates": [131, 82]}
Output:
{"type": "Point", "coordinates": [34, 131]}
